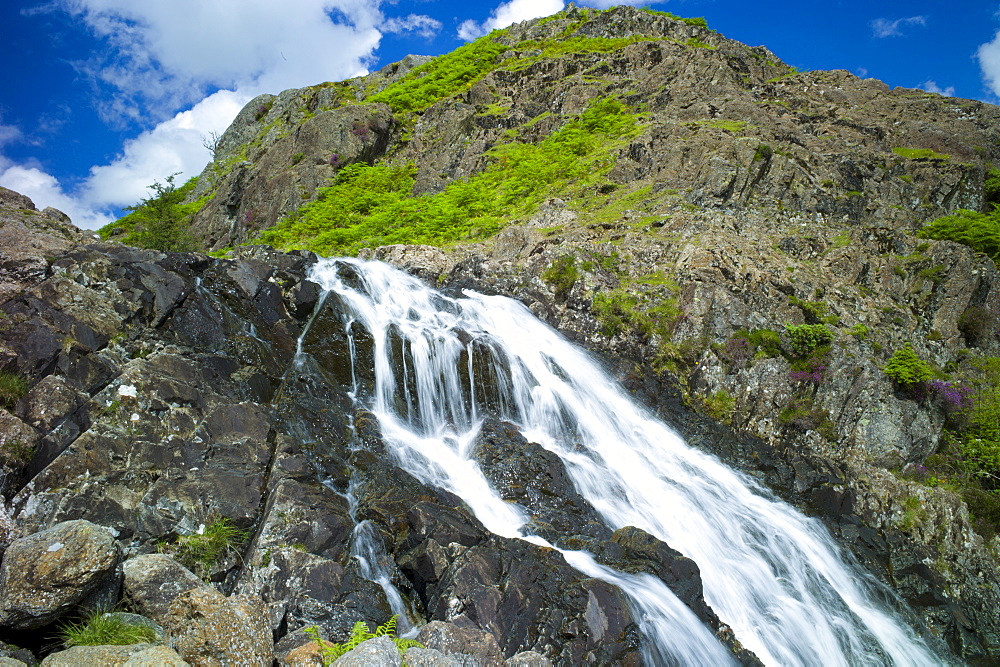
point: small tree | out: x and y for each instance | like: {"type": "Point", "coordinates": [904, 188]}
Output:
{"type": "Point", "coordinates": [907, 369]}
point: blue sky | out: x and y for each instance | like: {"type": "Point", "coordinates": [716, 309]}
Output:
{"type": "Point", "coordinates": [103, 97]}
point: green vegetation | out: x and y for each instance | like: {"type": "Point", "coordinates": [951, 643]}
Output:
{"type": "Point", "coordinates": [920, 154]}
{"type": "Point", "coordinates": [372, 205]}
{"type": "Point", "coordinates": [100, 629]}
{"type": "Point", "coordinates": [802, 414]}
{"type": "Point", "coordinates": [626, 310]}
{"type": "Point", "coordinates": [360, 633]}
{"type": "Point", "coordinates": [720, 406]}
{"type": "Point", "coordinates": [734, 126]}
{"type": "Point", "coordinates": [562, 274]}
{"type": "Point", "coordinates": [201, 553]}
{"type": "Point", "coordinates": [695, 21]}
{"type": "Point", "coordinates": [555, 48]}
{"type": "Point", "coordinates": [12, 387]}
{"type": "Point", "coordinates": [161, 221]}
{"type": "Point", "coordinates": [979, 231]}
{"type": "Point", "coordinates": [906, 368]}
{"type": "Point", "coordinates": [805, 338]}
{"type": "Point", "coordinates": [442, 77]}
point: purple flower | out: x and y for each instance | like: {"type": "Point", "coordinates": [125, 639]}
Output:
{"type": "Point", "coordinates": [950, 396]}
{"type": "Point", "coordinates": [334, 160]}
{"type": "Point", "coordinates": [813, 371]}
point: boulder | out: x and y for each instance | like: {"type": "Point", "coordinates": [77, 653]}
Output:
{"type": "Point", "coordinates": [46, 574]}
{"type": "Point", "coordinates": [378, 652]}
{"type": "Point", "coordinates": [450, 639]}
{"type": "Point", "coordinates": [154, 581]}
{"type": "Point", "coordinates": [208, 628]}
{"type": "Point", "coordinates": [134, 655]}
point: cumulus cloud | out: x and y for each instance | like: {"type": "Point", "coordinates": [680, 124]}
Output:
{"type": "Point", "coordinates": [508, 13]}
{"type": "Point", "coordinates": [209, 57]}
{"type": "Point", "coordinates": [989, 62]}
{"type": "Point", "coordinates": [931, 87]}
{"type": "Point", "coordinates": [44, 190]}
{"type": "Point", "coordinates": [425, 26]}
{"type": "Point", "coordinates": [163, 56]}
{"type": "Point", "coordinates": [174, 146]}
{"type": "Point", "coordinates": [894, 27]}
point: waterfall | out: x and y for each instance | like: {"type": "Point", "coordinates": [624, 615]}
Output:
{"type": "Point", "coordinates": [774, 576]}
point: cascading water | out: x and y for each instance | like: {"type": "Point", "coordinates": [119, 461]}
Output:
{"type": "Point", "coordinates": [770, 573]}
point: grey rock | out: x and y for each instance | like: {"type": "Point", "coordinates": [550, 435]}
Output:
{"type": "Point", "coordinates": [44, 575]}
{"type": "Point", "coordinates": [429, 657]}
{"type": "Point", "coordinates": [154, 581]}
{"type": "Point", "coordinates": [378, 652]}
{"type": "Point", "coordinates": [450, 639]}
{"type": "Point", "coordinates": [134, 655]}
{"type": "Point", "coordinates": [527, 659]}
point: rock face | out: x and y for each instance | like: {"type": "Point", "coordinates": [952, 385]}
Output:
{"type": "Point", "coordinates": [175, 399]}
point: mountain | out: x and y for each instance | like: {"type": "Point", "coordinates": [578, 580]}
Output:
{"type": "Point", "coordinates": [760, 257]}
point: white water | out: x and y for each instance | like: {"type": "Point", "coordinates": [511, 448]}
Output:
{"type": "Point", "coordinates": [773, 575]}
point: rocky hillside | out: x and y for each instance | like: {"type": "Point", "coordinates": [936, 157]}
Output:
{"type": "Point", "coordinates": [737, 240]}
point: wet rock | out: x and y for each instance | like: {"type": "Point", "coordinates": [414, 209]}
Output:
{"type": "Point", "coordinates": [378, 652]}
{"type": "Point", "coordinates": [535, 478]}
{"type": "Point", "coordinates": [44, 575]}
{"type": "Point", "coordinates": [450, 639]}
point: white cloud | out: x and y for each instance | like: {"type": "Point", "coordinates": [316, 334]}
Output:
{"type": "Point", "coordinates": [44, 190]}
{"type": "Point", "coordinates": [174, 146]}
{"type": "Point", "coordinates": [425, 26]}
{"type": "Point", "coordinates": [508, 13]}
{"type": "Point", "coordinates": [931, 87]}
{"type": "Point", "coordinates": [989, 63]}
{"type": "Point", "coordinates": [9, 134]}
{"type": "Point", "coordinates": [163, 56]}
{"type": "Point", "coordinates": [893, 28]}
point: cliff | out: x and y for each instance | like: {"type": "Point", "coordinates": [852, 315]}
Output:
{"type": "Point", "coordinates": [736, 240]}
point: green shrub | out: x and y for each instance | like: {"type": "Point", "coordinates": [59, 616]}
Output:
{"type": "Point", "coordinates": [373, 205]}
{"type": "Point", "coordinates": [101, 629]}
{"type": "Point", "coordinates": [12, 387]}
{"type": "Point", "coordinates": [906, 368]}
{"type": "Point", "coordinates": [920, 154]}
{"type": "Point", "coordinates": [360, 633]}
{"type": "Point", "coordinates": [562, 274]}
{"type": "Point", "coordinates": [979, 231]}
{"type": "Point", "coordinates": [804, 338]}
{"type": "Point", "coordinates": [159, 222]}
{"type": "Point", "coordinates": [720, 405]}
{"type": "Point", "coordinates": [201, 553]}
{"type": "Point", "coordinates": [442, 77]}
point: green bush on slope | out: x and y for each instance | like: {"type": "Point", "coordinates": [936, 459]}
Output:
{"type": "Point", "coordinates": [979, 231]}
{"type": "Point", "coordinates": [159, 222]}
{"type": "Point", "coordinates": [371, 205]}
